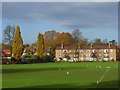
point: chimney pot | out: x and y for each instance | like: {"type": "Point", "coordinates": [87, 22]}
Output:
{"type": "Point", "coordinates": [62, 46]}
{"type": "Point", "coordinates": [109, 45]}
{"type": "Point", "coordinates": [91, 46]}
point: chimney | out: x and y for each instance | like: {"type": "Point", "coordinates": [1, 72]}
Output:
{"type": "Point", "coordinates": [62, 46]}
{"type": "Point", "coordinates": [91, 45]}
{"type": "Point", "coordinates": [109, 45]}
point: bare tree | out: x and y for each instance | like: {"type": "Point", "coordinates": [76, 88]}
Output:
{"type": "Point", "coordinates": [8, 35]}
{"type": "Point", "coordinates": [77, 35]}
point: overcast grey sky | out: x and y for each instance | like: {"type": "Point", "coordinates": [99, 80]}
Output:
{"type": "Point", "coordinates": [95, 19]}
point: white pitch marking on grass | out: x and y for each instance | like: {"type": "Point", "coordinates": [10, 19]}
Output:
{"type": "Point", "coordinates": [97, 82]}
{"type": "Point", "coordinates": [104, 75]}
{"type": "Point", "coordinates": [108, 67]}
{"type": "Point", "coordinates": [87, 65]}
{"type": "Point", "coordinates": [96, 66]}
{"type": "Point", "coordinates": [59, 69]}
{"type": "Point", "coordinates": [67, 73]}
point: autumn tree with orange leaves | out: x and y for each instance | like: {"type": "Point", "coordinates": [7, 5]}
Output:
{"type": "Point", "coordinates": [64, 38]}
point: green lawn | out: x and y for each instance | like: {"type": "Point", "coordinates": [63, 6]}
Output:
{"type": "Point", "coordinates": [48, 75]}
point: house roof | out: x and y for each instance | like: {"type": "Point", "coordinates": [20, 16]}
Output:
{"type": "Point", "coordinates": [6, 51]}
{"type": "Point", "coordinates": [89, 47]}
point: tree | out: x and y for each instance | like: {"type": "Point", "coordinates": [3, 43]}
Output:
{"type": "Point", "coordinates": [97, 42]}
{"type": "Point", "coordinates": [26, 45]}
{"type": "Point", "coordinates": [64, 38]}
{"type": "Point", "coordinates": [50, 42]}
{"type": "Point", "coordinates": [40, 46]}
{"type": "Point", "coordinates": [8, 35]}
{"type": "Point", "coordinates": [83, 42]}
{"type": "Point", "coordinates": [17, 47]}
{"type": "Point", "coordinates": [77, 36]}
{"type": "Point", "coordinates": [113, 42]}
{"type": "Point", "coordinates": [105, 42]}
{"type": "Point", "coordinates": [50, 37]}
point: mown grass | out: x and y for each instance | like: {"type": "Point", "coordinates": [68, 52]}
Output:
{"type": "Point", "coordinates": [48, 75]}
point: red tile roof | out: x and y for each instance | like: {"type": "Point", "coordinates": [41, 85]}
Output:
{"type": "Point", "coordinates": [89, 47]}
{"type": "Point", "coordinates": [7, 51]}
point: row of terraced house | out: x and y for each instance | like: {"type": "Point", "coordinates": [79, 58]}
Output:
{"type": "Point", "coordinates": [88, 53]}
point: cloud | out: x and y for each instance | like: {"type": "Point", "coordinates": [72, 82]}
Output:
{"type": "Point", "coordinates": [79, 14]}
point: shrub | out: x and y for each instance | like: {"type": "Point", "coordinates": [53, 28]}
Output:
{"type": "Point", "coordinates": [9, 55]}
{"type": "Point", "coordinates": [104, 61]}
{"type": "Point", "coordinates": [67, 57]}
{"type": "Point", "coordinates": [112, 60]}
{"type": "Point", "coordinates": [47, 58]}
{"type": "Point", "coordinates": [13, 59]}
{"type": "Point", "coordinates": [60, 58]}
{"type": "Point", "coordinates": [28, 56]}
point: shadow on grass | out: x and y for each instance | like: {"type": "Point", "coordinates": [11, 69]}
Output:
{"type": "Point", "coordinates": [22, 70]}
{"type": "Point", "coordinates": [108, 84]}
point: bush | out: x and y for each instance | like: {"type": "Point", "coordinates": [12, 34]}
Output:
{"type": "Point", "coordinates": [112, 60]}
{"type": "Point", "coordinates": [28, 56]}
{"type": "Point", "coordinates": [9, 55]}
{"type": "Point", "coordinates": [47, 58]}
{"type": "Point", "coordinates": [60, 58]}
{"type": "Point", "coordinates": [104, 61]}
{"type": "Point", "coordinates": [67, 57]}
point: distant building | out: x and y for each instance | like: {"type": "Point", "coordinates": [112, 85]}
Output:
{"type": "Point", "coordinates": [88, 53]}
{"type": "Point", "coordinates": [6, 52]}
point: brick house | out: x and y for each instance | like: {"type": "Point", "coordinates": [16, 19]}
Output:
{"type": "Point", "coordinates": [6, 52]}
{"type": "Point", "coordinates": [88, 53]}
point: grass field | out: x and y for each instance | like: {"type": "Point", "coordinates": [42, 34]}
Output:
{"type": "Point", "coordinates": [48, 75]}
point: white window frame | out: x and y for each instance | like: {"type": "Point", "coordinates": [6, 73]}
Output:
{"type": "Point", "coordinates": [70, 50]}
{"type": "Point", "coordinates": [99, 54]}
{"type": "Point", "coordinates": [94, 50]}
{"type": "Point", "coordinates": [111, 50]}
{"type": "Point", "coordinates": [64, 51]}
{"type": "Point", "coordinates": [99, 50]}
{"type": "Point", "coordinates": [81, 50]}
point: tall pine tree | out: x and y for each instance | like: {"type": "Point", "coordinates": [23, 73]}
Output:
{"type": "Point", "coordinates": [17, 47]}
{"type": "Point", "coordinates": [40, 46]}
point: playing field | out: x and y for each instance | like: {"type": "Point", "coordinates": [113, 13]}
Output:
{"type": "Point", "coordinates": [48, 75]}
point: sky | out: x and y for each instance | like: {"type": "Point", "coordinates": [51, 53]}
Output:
{"type": "Point", "coordinates": [93, 19]}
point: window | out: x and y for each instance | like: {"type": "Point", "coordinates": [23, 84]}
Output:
{"type": "Point", "coordinates": [70, 50]}
{"type": "Point", "coordinates": [99, 54]}
{"type": "Point", "coordinates": [111, 58]}
{"type": "Point", "coordinates": [105, 50]}
{"type": "Point", "coordinates": [87, 54]}
{"type": "Point", "coordinates": [81, 50]}
{"type": "Point", "coordinates": [111, 54]}
{"type": "Point", "coordinates": [111, 50]}
{"type": "Point", "coordinates": [81, 54]}
{"type": "Point", "coordinates": [58, 50]}
{"type": "Point", "coordinates": [64, 51]}
{"type": "Point", "coordinates": [88, 51]}
{"type": "Point", "coordinates": [81, 58]}
{"type": "Point", "coordinates": [94, 50]}
{"type": "Point", "coordinates": [99, 50]}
